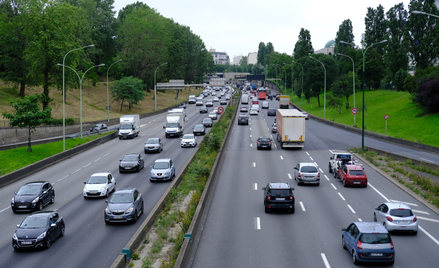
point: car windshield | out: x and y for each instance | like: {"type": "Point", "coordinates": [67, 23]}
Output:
{"type": "Point", "coordinates": [199, 126]}
{"type": "Point", "coordinates": [207, 120]}
{"type": "Point", "coordinates": [130, 158]}
{"type": "Point", "coordinates": [172, 125]}
{"type": "Point", "coordinates": [375, 238]}
{"type": "Point", "coordinates": [356, 172]}
{"type": "Point", "coordinates": [32, 222]}
{"type": "Point", "coordinates": [97, 179]}
{"type": "Point", "coordinates": [95, 126]}
{"type": "Point", "coordinates": [126, 126]}
{"type": "Point", "coordinates": [160, 165]}
{"type": "Point", "coordinates": [279, 192]}
{"type": "Point", "coordinates": [308, 169]}
{"type": "Point", "coordinates": [188, 136]}
{"type": "Point", "coordinates": [212, 113]}
{"type": "Point", "coordinates": [29, 190]}
{"type": "Point", "coordinates": [401, 212]}
{"type": "Point", "coordinates": [152, 141]}
{"type": "Point", "coordinates": [264, 139]}
{"type": "Point", "coordinates": [121, 198]}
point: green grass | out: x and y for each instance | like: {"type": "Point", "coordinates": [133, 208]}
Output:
{"type": "Point", "coordinates": [15, 159]}
{"type": "Point", "coordinates": [406, 120]}
{"type": "Point", "coordinates": [7, 94]}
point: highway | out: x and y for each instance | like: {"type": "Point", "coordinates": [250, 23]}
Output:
{"type": "Point", "coordinates": [238, 233]}
{"type": "Point", "coordinates": [88, 241]}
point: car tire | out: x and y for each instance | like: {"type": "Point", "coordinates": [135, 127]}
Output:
{"type": "Point", "coordinates": [63, 230]}
{"type": "Point", "coordinates": [144, 151]}
{"type": "Point", "coordinates": [267, 210]}
{"type": "Point", "coordinates": [48, 242]}
{"type": "Point", "coordinates": [14, 210]}
{"type": "Point", "coordinates": [257, 148]}
{"type": "Point", "coordinates": [374, 217]}
{"type": "Point", "coordinates": [106, 195]}
{"type": "Point", "coordinates": [354, 257]}
{"type": "Point", "coordinates": [135, 217]}
{"type": "Point", "coordinates": [138, 168]}
{"type": "Point", "coordinates": [52, 199]}
{"type": "Point", "coordinates": [344, 183]}
{"type": "Point", "coordinates": [330, 169]}
{"type": "Point", "coordinates": [343, 243]}
{"type": "Point", "coordinates": [40, 206]}
{"type": "Point", "coordinates": [293, 210]}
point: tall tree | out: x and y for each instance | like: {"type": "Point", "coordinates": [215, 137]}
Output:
{"type": "Point", "coordinates": [342, 87]}
{"type": "Point", "coordinates": [261, 53]}
{"type": "Point", "coordinates": [269, 48]}
{"type": "Point", "coordinates": [376, 27]}
{"type": "Point", "coordinates": [128, 89]}
{"type": "Point", "coordinates": [314, 78]}
{"type": "Point", "coordinates": [345, 34]}
{"type": "Point", "coordinates": [303, 46]}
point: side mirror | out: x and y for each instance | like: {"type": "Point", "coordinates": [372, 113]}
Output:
{"type": "Point", "coordinates": [343, 229]}
{"type": "Point", "coordinates": [120, 160]}
{"type": "Point", "coordinates": [85, 182]}
{"type": "Point", "coordinates": [330, 158]}
{"type": "Point", "coordinates": [15, 193]}
{"type": "Point", "coordinates": [263, 188]}
{"type": "Point", "coordinates": [18, 225]}
{"type": "Point", "coordinates": [53, 225]}
{"type": "Point", "coordinates": [164, 127]}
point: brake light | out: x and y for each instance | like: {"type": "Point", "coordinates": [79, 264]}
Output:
{"type": "Point", "coordinates": [291, 198]}
{"type": "Point", "coordinates": [400, 209]}
{"type": "Point", "coordinates": [318, 175]}
{"type": "Point", "coordinates": [268, 197]}
{"type": "Point", "coordinates": [389, 218]}
{"type": "Point", "coordinates": [299, 175]}
{"type": "Point", "coordinates": [391, 245]}
{"type": "Point", "coordinates": [259, 143]}
{"type": "Point", "coordinates": [359, 245]}
{"type": "Point", "coordinates": [415, 219]}
{"type": "Point", "coordinates": [269, 143]}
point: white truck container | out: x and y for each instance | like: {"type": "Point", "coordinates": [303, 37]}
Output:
{"type": "Point", "coordinates": [129, 126]}
{"type": "Point", "coordinates": [177, 111]}
{"type": "Point", "coordinates": [174, 125]}
{"type": "Point", "coordinates": [290, 128]}
{"type": "Point", "coordinates": [244, 99]}
{"type": "Point", "coordinates": [284, 101]}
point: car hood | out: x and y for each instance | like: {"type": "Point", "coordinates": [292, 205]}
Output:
{"type": "Point", "coordinates": [22, 233]}
{"type": "Point", "coordinates": [187, 140]}
{"type": "Point", "coordinates": [92, 187]}
{"type": "Point", "coordinates": [198, 129]}
{"type": "Point", "coordinates": [24, 198]}
{"type": "Point", "coordinates": [152, 145]}
{"type": "Point", "coordinates": [161, 170]}
{"type": "Point", "coordinates": [120, 206]}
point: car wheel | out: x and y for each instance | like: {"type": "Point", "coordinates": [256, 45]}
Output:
{"type": "Point", "coordinates": [267, 210]}
{"type": "Point", "coordinates": [354, 258]}
{"type": "Point", "coordinates": [40, 206]}
{"type": "Point", "coordinates": [374, 217]}
{"type": "Point", "coordinates": [138, 168]}
{"type": "Point", "coordinates": [106, 195]}
{"type": "Point", "coordinates": [344, 183]}
{"type": "Point", "coordinates": [365, 185]}
{"type": "Point", "coordinates": [343, 243]}
{"type": "Point", "coordinates": [330, 169]}
{"type": "Point", "coordinates": [52, 199]}
{"type": "Point", "coordinates": [63, 230]}
{"type": "Point", "coordinates": [135, 217]}
{"type": "Point", "coordinates": [14, 210]}
{"type": "Point", "coordinates": [144, 151]}
{"type": "Point", "coordinates": [293, 210]}
{"type": "Point", "coordinates": [318, 184]}
{"type": "Point", "coordinates": [48, 244]}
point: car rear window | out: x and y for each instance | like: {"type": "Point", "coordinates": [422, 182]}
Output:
{"type": "Point", "coordinates": [401, 212]}
{"type": "Point", "coordinates": [308, 169]}
{"type": "Point", "coordinates": [279, 192]}
{"type": "Point", "coordinates": [375, 238]}
{"type": "Point", "coordinates": [356, 172]}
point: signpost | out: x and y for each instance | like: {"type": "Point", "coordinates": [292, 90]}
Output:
{"type": "Point", "coordinates": [386, 117]}
{"type": "Point", "coordinates": [220, 110]}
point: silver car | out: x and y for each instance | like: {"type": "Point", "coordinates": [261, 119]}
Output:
{"type": "Point", "coordinates": [213, 115]}
{"type": "Point", "coordinates": [396, 217]}
{"type": "Point", "coordinates": [307, 172]}
{"type": "Point", "coordinates": [153, 145]}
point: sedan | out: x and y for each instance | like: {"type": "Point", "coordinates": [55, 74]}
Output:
{"type": "Point", "coordinates": [131, 162]}
{"type": "Point", "coordinates": [38, 230]}
{"type": "Point", "coordinates": [153, 145]}
{"type": "Point", "coordinates": [188, 140]}
{"type": "Point", "coordinates": [99, 184]}
{"type": "Point", "coordinates": [33, 196]}
{"type": "Point", "coordinates": [209, 103]}
{"type": "Point", "coordinates": [264, 143]}
{"type": "Point", "coordinates": [199, 129]}
{"type": "Point", "coordinates": [162, 169]}
{"type": "Point", "coordinates": [223, 102]}
{"type": "Point", "coordinates": [395, 216]}
{"type": "Point", "coordinates": [307, 172]}
{"type": "Point", "coordinates": [243, 119]}
{"type": "Point", "coordinates": [98, 128]}
{"type": "Point", "coordinates": [182, 105]}
{"type": "Point", "coordinates": [243, 109]}
{"type": "Point", "coordinates": [213, 115]}
{"type": "Point", "coordinates": [207, 122]}
{"type": "Point", "coordinates": [215, 99]}
{"type": "Point", "coordinates": [203, 110]}
{"type": "Point", "coordinates": [125, 205]}
{"type": "Point", "coordinates": [271, 112]}
{"type": "Point", "coordinates": [274, 127]}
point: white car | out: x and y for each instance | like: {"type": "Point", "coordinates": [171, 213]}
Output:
{"type": "Point", "coordinates": [189, 140]}
{"type": "Point", "coordinates": [99, 184]}
{"type": "Point", "coordinates": [254, 111]}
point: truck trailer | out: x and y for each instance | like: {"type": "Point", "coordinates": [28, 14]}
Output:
{"type": "Point", "coordinates": [290, 128]}
{"type": "Point", "coordinates": [129, 126]}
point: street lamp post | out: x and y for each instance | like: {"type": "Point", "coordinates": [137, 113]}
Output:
{"type": "Point", "coordinates": [416, 12]}
{"type": "Point", "coordinates": [108, 95]}
{"type": "Point", "coordinates": [302, 81]}
{"type": "Point", "coordinates": [324, 95]}
{"type": "Point", "coordinates": [155, 86]}
{"type": "Point", "coordinates": [353, 80]}
{"type": "Point", "coordinates": [80, 88]}
{"type": "Point", "coordinates": [364, 70]}
{"type": "Point", "coordinates": [64, 97]}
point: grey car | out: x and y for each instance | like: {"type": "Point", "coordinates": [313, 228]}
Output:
{"type": "Point", "coordinates": [207, 122]}
{"type": "Point", "coordinates": [307, 172]}
{"type": "Point", "coordinates": [396, 216]}
{"type": "Point", "coordinates": [153, 145]}
{"type": "Point", "coordinates": [125, 205]}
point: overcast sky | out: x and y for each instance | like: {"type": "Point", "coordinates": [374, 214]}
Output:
{"type": "Point", "coordinates": [237, 26]}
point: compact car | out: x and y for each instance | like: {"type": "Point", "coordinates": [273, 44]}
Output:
{"type": "Point", "coordinates": [199, 129]}
{"type": "Point", "coordinates": [131, 162]}
{"type": "Point", "coordinates": [188, 140]}
{"type": "Point", "coordinates": [207, 122]}
{"type": "Point", "coordinates": [153, 145]}
{"type": "Point", "coordinates": [162, 169]}
{"type": "Point", "coordinates": [243, 119]}
{"type": "Point", "coordinates": [271, 112]}
{"type": "Point", "coordinates": [396, 216]}
{"type": "Point", "coordinates": [99, 184]}
{"type": "Point", "coordinates": [263, 143]}
{"type": "Point", "coordinates": [307, 172]}
{"type": "Point", "coordinates": [33, 196]}
{"type": "Point", "coordinates": [125, 205]}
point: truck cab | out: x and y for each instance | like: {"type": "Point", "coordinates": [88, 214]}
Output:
{"type": "Point", "coordinates": [338, 159]}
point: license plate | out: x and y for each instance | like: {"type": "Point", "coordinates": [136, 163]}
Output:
{"type": "Point", "coordinates": [22, 206]}
{"type": "Point", "coordinates": [264, 145]}
{"type": "Point", "coordinates": [357, 182]}
{"type": "Point", "coordinates": [127, 168]}
{"type": "Point", "coordinates": [376, 254]}
{"type": "Point", "coordinates": [117, 217]}
{"type": "Point", "coordinates": [26, 243]}
{"type": "Point", "coordinates": [280, 198]}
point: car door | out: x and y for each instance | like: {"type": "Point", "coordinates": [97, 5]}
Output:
{"type": "Point", "coordinates": [110, 183]}
{"type": "Point", "coordinates": [349, 239]}
{"type": "Point", "coordinates": [54, 231]}
{"type": "Point", "coordinates": [381, 212]}
{"type": "Point", "coordinates": [45, 195]}
{"type": "Point", "coordinates": [296, 170]}
{"type": "Point", "coordinates": [141, 162]}
{"type": "Point", "coordinates": [160, 144]}
{"type": "Point", "coordinates": [171, 164]}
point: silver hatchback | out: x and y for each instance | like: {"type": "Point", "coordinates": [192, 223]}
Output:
{"type": "Point", "coordinates": [307, 172]}
{"type": "Point", "coordinates": [396, 217]}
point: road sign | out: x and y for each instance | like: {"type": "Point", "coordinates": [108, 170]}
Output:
{"type": "Point", "coordinates": [354, 110]}
{"type": "Point", "coordinates": [386, 117]}
{"type": "Point", "coordinates": [220, 110]}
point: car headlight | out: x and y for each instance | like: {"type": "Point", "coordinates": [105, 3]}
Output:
{"type": "Point", "coordinates": [85, 188]}
{"type": "Point", "coordinates": [13, 200]}
{"type": "Point", "coordinates": [152, 174]}
{"type": "Point", "coordinates": [166, 173]}
{"type": "Point", "coordinates": [41, 236]}
{"type": "Point", "coordinates": [36, 199]}
{"type": "Point", "coordinates": [14, 236]}
{"type": "Point", "coordinates": [103, 188]}
{"type": "Point", "coordinates": [129, 211]}
{"type": "Point", "coordinates": [107, 211]}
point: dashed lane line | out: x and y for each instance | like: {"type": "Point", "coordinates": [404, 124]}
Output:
{"type": "Point", "coordinates": [87, 165]}
{"type": "Point", "coordinates": [256, 186]}
{"type": "Point", "coordinates": [326, 177]}
{"type": "Point", "coordinates": [63, 178]}
{"type": "Point", "coordinates": [353, 211]}
{"type": "Point", "coordinates": [376, 190]}
{"type": "Point", "coordinates": [341, 197]}
{"type": "Point", "coordinates": [410, 204]}
{"type": "Point", "coordinates": [289, 176]}
{"type": "Point", "coordinates": [333, 186]}
{"type": "Point", "coordinates": [98, 159]}
{"type": "Point", "coordinates": [325, 261]}
{"type": "Point", "coordinates": [258, 223]}
{"type": "Point", "coordinates": [302, 206]}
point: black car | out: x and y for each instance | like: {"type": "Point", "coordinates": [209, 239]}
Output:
{"type": "Point", "coordinates": [243, 119]}
{"type": "Point", "coordinates": [38, 230]}
{"type": "Point", "coordinates": [264, 143]}
{"type": "Point", "coordinates": [182, 105]}
{"type": "Point", "coordinates": [271, 112]}
{"type": "Point", "coordinates": [98, 127]}
{"type": "Point", "coordinates": [131, 162]}
{"type": "Point", "coordinates": [33, 196]}
{"type": "Point", "coordinates": [203, 110]}
{"type": "Point", "coordinates": [207, 122]}
{"type": "Point", "coordinates": [278, 195]}
{"type": "Point", "coordinates": [199, 129]}
{"type": "Point", "coordinates": [125, 205]}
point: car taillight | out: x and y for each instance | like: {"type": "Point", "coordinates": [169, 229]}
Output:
{"type": "Point", "coordinates": [299, 175]}
{"type": "Point", "coordinates": [391, 245]}
{"type": "Point", "coordinates": [269, 143]}
{"type": "Point", "coordinates": [291, 198]}
{"type": "Point", "coordinates": [259, 143]}
{"type": "Point", "coordinates": [415, 219]}
{"type": "Point", "coordinates": [268, 197]}
{"type": "Point", "coordinates": [389, 218]}
{"type": "Point", "coordinates": [318, 175]}
{"type": "Point", "coordinates": [359, 245]}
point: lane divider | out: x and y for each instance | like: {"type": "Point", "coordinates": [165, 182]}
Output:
{"type": "Point", "coordinates": [325, 261]}
{"type": "Point", "coordinates": [258, 223]}
{"type": "Point", "coordinates": [303, 207]}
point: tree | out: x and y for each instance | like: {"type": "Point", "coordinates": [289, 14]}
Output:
{"type": "Point", "coordinates": [314, 76]}
{"type": "Point", "coordinates": [399, 79]}
{"type": "Point", "coordinates": [28, 114]}
{"type": "Point", "coordinates": [128, 89]}
{"type": "Point", "coordinates": [342, 87]}
{"type": "Point", "coordinates": [335, 103]}
{"type": "Point", "coordinates": [303, 46]}
{"type": "Point", "coordinates": [261, 53]}
{"type": "Point", "coordinates": [428, 95]}
{"type": "Point", "coordinates": [344, 33]}
{"type": "Point", "coordinates": [376, 26]}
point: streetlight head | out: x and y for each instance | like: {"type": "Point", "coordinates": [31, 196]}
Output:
{"type": "Point", "coordinates": [90, 45]}
{"type": "Point", "coordinates": [417, 12]}
{"type": "Point", "coordinates": [102, 64]}
{"type": "Point", "coordinates": [59, 64]}
{"type": "Point", "coordinates": [383, 41]}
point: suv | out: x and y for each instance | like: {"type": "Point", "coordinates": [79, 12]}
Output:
{"type": "Point", "coordinates": [125, 205]}
{"type": "Point", "coordinates": [368, 242]}
{"type": "Point", "coordinates": [243, 119]}
{"type": "Point", "coordinates": [33, 196]}
{"type": "Point", "coordinates": [278, 195]}
{"type": "Point", "coordinates": [396, 217]}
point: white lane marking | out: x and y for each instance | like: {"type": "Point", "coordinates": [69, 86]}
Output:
{"type": "Point", "coordinates": [63, 178]}
{"type": "Point", "coordinates": [359, 219]}
{"type": "Point", "coordinates": [87, 165]}
{"type": "Point", "coordinates": [321, 171]}
{"type": "Point", "coordinates": [315, 163]}
{"type": "Point", "coordinates": [258, 223]}
{"type": "Point", "coordinates": [410, 204]}
{"type": "Point", "coordinates": [254, 164]}
{"type": "Point", "coordinates": [251, 145]}
{"type": "Point", "coordinates": [143, 125]}
{"type": "Point", "coordinates": [303, 207]}
{"type": "Point", "coordinates": [325, 261]}
{"type": "Point", "coordinates": [341, 197]}
{"type": "Point", "coordinates": [331, 151]}
{"type": "Point", "coordinates": [281, 158]}
{"type": "Point", "coordinates": [427, 160]}
{"type": "Point", "coordinates": [250, 128]}
{"type": "Point", "coordinates": [311, 158]}
{"type": "Point", "coordinates": [307, 153]}
{"type": "Point", "coordinates": [268, 129]}
{"type": "Point", "coordinates": [4, 209]}
{"type": "Point", "coordinates": [289, 176]}
{"type": "Point", "coordinates": [376, 190]}
{"type": "Point", "coordinates": [76, 171]}
{"type": "Point", "coordinates": [250, 135]}
{"type": "Point", "coordinates": [353, 211]}
{"type": "Point", "coordinates": [333, 186]}
{"type": "Point", "coordinates": [274, 144]}
{"type": "Point", "coordinates": [427, 233]}
{"type": "Point", "coordinates": [98, 159]}
{"type": "Point", "coordinates": [256, 186]}
{"type": "Point", "coordinates": [420, 211]}
{"type": "Point", "coordinates": [326, 177]}
{"type": "Point", "coordinates": [105, 155]}
{"type": "Point", "coordinates": [427, 219]}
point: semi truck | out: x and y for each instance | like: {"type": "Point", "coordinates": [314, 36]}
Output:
{"type": "Point", "coordinates": [290, 128]}
{"type": "Point", "coordinates": [174, 125]}
{"type": "Point", "coordinates": [129, 126]}
{"type": "Point", "coordinates": [284, 101]}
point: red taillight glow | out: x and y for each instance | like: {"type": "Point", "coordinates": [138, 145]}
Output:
{"type": "Point", "coordinates": [291, 198]}
{"type": "Point", "coordinates": [318, 175]}
{"type": "Point", "coordinates": [259, 143]}
{"type": "Point", "coordinates": [299, 175]}
{"type": "Point", "coordinates": [415, 219]}
{"type": "Point", "coordinates": [268, 197]}
{"type": "Point", "coordinates": [359, 245]}
{"type": "Point", "coordinates": [391, 245]}
{"type": "Point", "coordinates": [389, 218]}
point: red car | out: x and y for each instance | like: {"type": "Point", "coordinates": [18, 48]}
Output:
{"type": "Point", "coordinates": [352, 175]}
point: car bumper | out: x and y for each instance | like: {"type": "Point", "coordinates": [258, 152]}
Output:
{"type": "Point", "coordinates": [356, 182]}
{"type": "Point", "coordinates": [309, 181]}
{"type": "Point", "coordinates": [24, 206]}
{"type": "Point", "coordinates": [365, 256]}
{"type": "Point", "coordinates": [262, 147]}
{"type": "Point", "coordinates": [155, 150]}
{"type": "Point", "coordinates": [128, 169]}
{"type": "Point", "coordinates": [401, 226]}
{"type": "Point", "coordinates": [200, 133]}
{"type": "Point", "coordinates": [187, 145]}
{"type": "Point", "coordinates": [173, 134]}
{"type": "Point", "coordinates": [28, 243]}
{"type": "Point", "coordinates": [93, 193]}
{"type": "Point", "coordinates": [160, 178]}
{"type": "Point", "coordinates": [280, 206]}
{"type": "Point", "coordinates": [119, 218]}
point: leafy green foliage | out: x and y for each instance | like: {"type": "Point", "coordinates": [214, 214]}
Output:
{"type": "Point", "coordinates": [428, 95]}
{"type": "Point", "coordinates": [376, 26]}
{"type": "Point", "coordinates": [399, 79]}
{"type": "Point", "coordinates": [128, 89]}
{"type": "Point", "coordinates": [261, 53]}
{"type": "Point", "coordinates": [303, 46]}
{"type": "Point", "coordinates": [335, 103]}
{"type": "Point", "coordinates": [342, 87]}
{"type": "Point", "coordinates": [314, 78]}
{"type": "Point", "coordinates": [345, 34]}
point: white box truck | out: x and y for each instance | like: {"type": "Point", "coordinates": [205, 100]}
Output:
{"type": "Point", "coordinates": [129, 126]}
{"type": "Point", "coordinates": [290, 128]}
{"type": "Point", "coordinates": [284, 101]}
{"type": "Point", "coordinates": [174, 125]}
{"type": "Point", "coordinates": [244, 99]}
